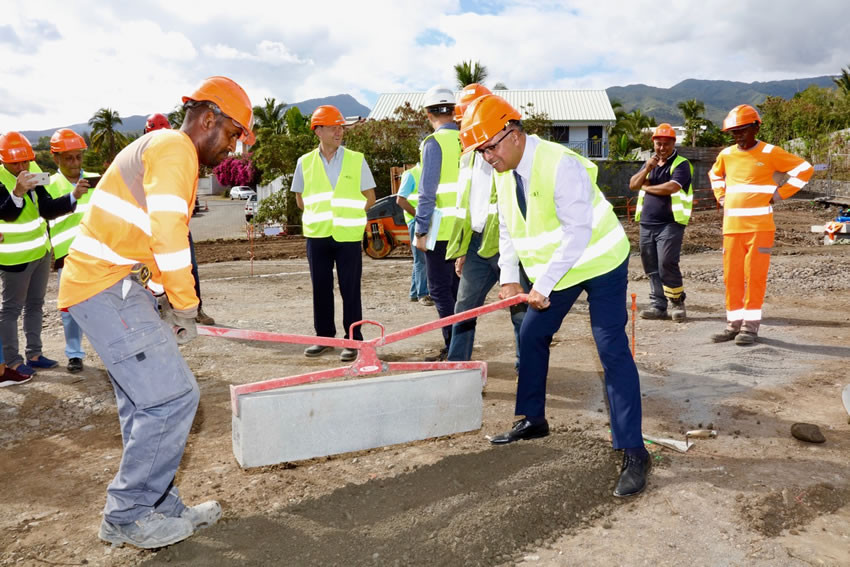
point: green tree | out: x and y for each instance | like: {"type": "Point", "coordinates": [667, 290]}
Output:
{"type": "Point", "coordinates": [468, 72]}
{"type": "Point", "coordinates": [630, 131]}
{"type": "Point", "coordinates": [536, 122]}
{"type": "Point", "coordinates": [693, 110]}
{"type": "Point", "coordinates": [270, 117]}
{"type": "Point", "coordinates": [500, 86]}
{"type": "Point", "coordinates": [42, 144]}
{"type": "Point", "coordinates": [177, 116]}
{"type": "Point", "coordinates": [843, 81]}
{"type": "Point", "coordinates": [105, 139]}
{"type": "Point", "coordinates": [296, 123]}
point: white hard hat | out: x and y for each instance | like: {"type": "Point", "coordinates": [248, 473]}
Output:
{"type": "Point", "coordinates": [438, 96]}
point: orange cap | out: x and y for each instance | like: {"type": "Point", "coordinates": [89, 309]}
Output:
{"type": "Point", "coordinates": [231, 99]}
{"type": "Point", "coordinates": [664, 131]}
{"type": "Point", "coordinates": [467, 95]}
{"type": "Point", "coordinates": [65, 139]}
{"type": "Point", "coordinates": [15, 148]}
{"type": "Point", "coordinates": [483, 119]}
{"type": "Point", "coordinates": [741, 115]}
{"type": "Point", "coordinates": [326, 115]}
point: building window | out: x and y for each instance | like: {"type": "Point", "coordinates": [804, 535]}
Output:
{"type": "Point", "coordinates": [561, 134]}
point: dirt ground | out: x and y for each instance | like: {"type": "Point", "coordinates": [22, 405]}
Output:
{"type": "Point", "coordinates": [753, 496]}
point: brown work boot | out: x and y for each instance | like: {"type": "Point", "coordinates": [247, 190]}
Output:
{"type": "Point", "coordinates": [654, 313]}
{"type": "Point", "coordinates": [728, 334]}
{"type": "Point", "coordinates": [203, 319]}
{"type": "Point", "coordinates": [679, 314]}
{"type": "Point", "coordinates": [745, 338]}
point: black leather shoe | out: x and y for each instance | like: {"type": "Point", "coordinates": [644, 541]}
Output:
{"type": "Point", "coordinates": [522, 429]}
{"type": "Point", "coordinates": [444, 355]}
{"type": "Point", "coordinates": [633, 474]}
{"type": "Point", "coordinates": [316, 350]}
{"type": "Point", "coordinates": [75, 365]}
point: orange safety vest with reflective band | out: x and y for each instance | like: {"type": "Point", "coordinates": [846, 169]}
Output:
{"type": "Point", "coordinates": [63, 229]}
{"type": "Point", "coordinates": [139, 214]}
{"type": "Point", "coordinates": [744, 180]}
{"type": "Point", "coordinates": [24, 239]}
{"type": "Point", "coordinates": [333, 211]}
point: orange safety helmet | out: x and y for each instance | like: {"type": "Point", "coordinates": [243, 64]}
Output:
{"type": "Point", "coordinates": [466, 96]}
{"type": "Point", "coordinates": [483, 119]}
{"type": "Point", "coordinates": [326, 115]}
{"type": "Point", "coordinates": [65, 139]}
{"type": "Point", "coordinates": [231, 99]}
{"type": "Point", "coordinates": [741, 115]}
{"type": "Point", "coordinates": [157, 122]}
{"type": "Point", "coordinates": [15, 148]}
{"type": "Point", "coordinates": [664, 131]}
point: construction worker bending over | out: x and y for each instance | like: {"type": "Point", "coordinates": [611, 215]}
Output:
{"type": "Point", "coordinates": [334, 187]}
{"type": "Point", "coordinates": [407, 199]}
{"type": "Point", "coordinates": [139, 216]}
{"type": "Point", "coordinates": [474, 242]}
{"type": "Point", "coordinates": [663, 210]}
{"type": "Point", "coordinates": [743, 183]}
{"type": "Point", "coordinates": [160, 122]}
{"type": "Point", "coordinates": [556, 223]}
{"type": "Point", "coordinates": [25, 250]}
{"type": "Point", "coordinates": [66, 147]}
{"type": "Point", "coordinates": [440, 159]}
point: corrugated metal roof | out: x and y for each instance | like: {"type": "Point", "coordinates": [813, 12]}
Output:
{"type": "Point", "coordinates": [560, 105]}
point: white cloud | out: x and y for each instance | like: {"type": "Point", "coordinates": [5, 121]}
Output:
{"type": "Point", "coordinates": [141, 57]}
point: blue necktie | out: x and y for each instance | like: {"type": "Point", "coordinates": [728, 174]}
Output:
{"type": "Point", "coordinates": [520, 194]}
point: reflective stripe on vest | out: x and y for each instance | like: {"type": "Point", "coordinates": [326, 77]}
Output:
{"type": "Point", "coordinates": [333, 211]}
{"type": "Point", "coordinates": [24, 239]}
{"type": "Point", "coordinates": [536, 237]}
{"type": "Point", "coordinates": [63, 229]}
{"type": "Point", "coordinates": [446, 198]}
{"type": "Point", "coordinates": [462, 231]}
{"type": "Point", "coordinates": [413, 198]}
{"type": "Point", "coordinates": [682, 201]}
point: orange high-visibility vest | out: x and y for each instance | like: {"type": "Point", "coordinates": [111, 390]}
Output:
{"type": "Point", "coordinates": [138, 214]}
{"type": "Point", "coordinates": [744, 180]}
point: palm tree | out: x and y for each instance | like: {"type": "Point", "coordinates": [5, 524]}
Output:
{"type": "Point", "coordinates": [177, 116]}
{"type": "Point", "coordinates": [270, 116]}
{"type": "Point", "coordinates": [105, 139]}
{"type": "Point", "coordinates": [843, 81]}
{"type": "Point", "coordinates": [692, 110]}
{"type": "Point", "coordinates": [468, 72]}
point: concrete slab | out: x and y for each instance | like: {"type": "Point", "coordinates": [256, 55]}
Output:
{"type": "Point", "coordinates": [315, 420]}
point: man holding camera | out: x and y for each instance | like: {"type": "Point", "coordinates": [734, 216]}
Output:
{"type": "Point", "coordinates": [137, 226]}
{"type": "Point", "coordinates": [66, 147]}
{"type": "Point", "coordinates": [25, 249]}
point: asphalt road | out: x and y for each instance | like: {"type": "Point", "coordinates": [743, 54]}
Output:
{"type": "Point", "coordinates": [223, 219]}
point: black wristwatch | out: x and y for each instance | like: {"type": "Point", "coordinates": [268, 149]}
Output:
{"type": "Point", "coordinates": [418, 234]}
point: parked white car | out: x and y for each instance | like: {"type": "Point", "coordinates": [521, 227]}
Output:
{"type": "Point", "coordinates": [241, 192]}
{"type": "Point", "coordinates": [251, 207]}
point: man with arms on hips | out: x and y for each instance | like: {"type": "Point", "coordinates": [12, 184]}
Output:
{"type": "Point", "coordinates": [138, 221]}
{"type": "Point", "coordinates": [663, 210]}
{"type": "Point", "coordinates": [556, 223]}
{"type": "Point", "coordinates": [334, 187]}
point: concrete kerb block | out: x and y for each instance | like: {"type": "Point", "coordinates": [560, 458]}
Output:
{"type": "Point", "coordinates": [316, 420]}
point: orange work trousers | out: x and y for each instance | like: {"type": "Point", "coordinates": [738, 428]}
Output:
{"type": "Point", "coordinates": [746, 260]}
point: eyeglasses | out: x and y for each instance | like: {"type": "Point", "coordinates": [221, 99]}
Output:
{"type": "Point", "coordinates": [218, 112]}
{"type": "Point", "coordinates": [491, 147]}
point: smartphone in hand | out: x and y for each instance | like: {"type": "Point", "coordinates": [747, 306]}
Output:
{"type": "Point", "coordinates": [93, 181]}
{"type": "Point", "coordinates": [41, 178]}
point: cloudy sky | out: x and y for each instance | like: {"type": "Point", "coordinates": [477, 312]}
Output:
{"type": "Point", "coordinates": [62, 60]}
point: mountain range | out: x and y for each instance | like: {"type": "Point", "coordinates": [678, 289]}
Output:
{"type": "Point", "coordinates": [719, 97]}
{"type": "Point", "coordinates": [346, 104]}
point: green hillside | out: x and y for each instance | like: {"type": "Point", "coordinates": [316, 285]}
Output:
{"type": "Point", "coordinates": [718, 96]}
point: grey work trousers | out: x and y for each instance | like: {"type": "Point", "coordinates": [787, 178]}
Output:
{"type": "Point", "coordinates": [155, 392]}
{"type": "Point", "coordinates": [23, 291]}
{"type": "Point", "coordinates": [660, 248]}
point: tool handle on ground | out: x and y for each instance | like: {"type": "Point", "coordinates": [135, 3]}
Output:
{"type": "Point", "coordinates": [701, 434]}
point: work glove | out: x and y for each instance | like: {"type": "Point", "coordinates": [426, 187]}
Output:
{"type": "Point", "coordinates": [184, 327]}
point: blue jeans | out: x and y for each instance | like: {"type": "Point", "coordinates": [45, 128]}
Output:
{"type": "Point", "coordinates": [477, 279]}
{"type": "Point", "coordinates": [418, 279]}
{"type": "Point", "coordinates": [606, 296]}
{"type": "Point", "coordinates": [442, 283]}
{"type": "Point", "coordinates": [73, 332]}
{"type": "Point", "coordinates": [155, 392]}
